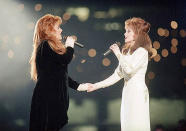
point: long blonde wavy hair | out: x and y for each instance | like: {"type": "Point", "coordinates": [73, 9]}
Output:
{"type": "Point", "coordinates": [44, 30]}
{"type": "Point", "coordinates": [141, 29]}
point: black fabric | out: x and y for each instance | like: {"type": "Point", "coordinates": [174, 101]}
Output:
{"type": "Point", "coordinates": [50, 100]}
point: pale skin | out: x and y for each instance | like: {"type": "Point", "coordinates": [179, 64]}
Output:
{"type": "Point", "coordinates": [57, 32]}
{"type": "Point", "coordinates": [129, 36]}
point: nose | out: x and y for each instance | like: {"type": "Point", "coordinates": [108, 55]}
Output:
{"type": "Point", "coordinates": [124, 34]}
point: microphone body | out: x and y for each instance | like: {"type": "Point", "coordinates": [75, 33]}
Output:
{"type": "Point", "coordinates": [109, 50]}
{"type": "Point", "coordinates": [76, 43]}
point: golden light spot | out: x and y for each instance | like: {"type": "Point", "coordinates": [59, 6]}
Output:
{"type": "Point", "coordinates": [38, 7]}
{"type": "Point", "coordinates": [106, 62]}
{"type": "Point", "coordinates": [174, 42]}
{"type": "Point", "coordinates": [156, 44]}
{"type": "Point", "coordinates": [151, 75]}
{"type": "Point", "coordinates": [174, 25]}
{"type": "Point", "coordinates": [66, 16]}
{"type": "Point", "coordinates": [182, 33]}
{"type": "Point", "coordinates": [166, 33]}
{"type": "Point", "coordinates": [183, 62]}
{"type": "Point", "coordinates": [161, 32]}
{"type": "Point", "coordinates": [83, 61]}
{"type": "Point", "coordinates": [173, 49]}
{"type": "Point", "coordinates": [20, 7]}
{"type": "Point", "coordinates": [164, 52]}
{"type": "Point", "coordinates": [157, 58]}
{"type": "Point", "coordinates": [100, 14]}
{"type": "Point", "coordinates": [30, 25]}
{"type": "Point", "coordinates": [82, 13]}
{"type": "Point", "coordinates": [92, 52]}
{"type": "Point", "coordinates": [10, 54]}
{"type": "Point", "coordinates": [17, 40]}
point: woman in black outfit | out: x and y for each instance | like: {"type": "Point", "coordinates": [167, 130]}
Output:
{"type": "Point", "coordinates": [49, 62]}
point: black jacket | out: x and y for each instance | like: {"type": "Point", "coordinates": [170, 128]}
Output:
{"type": "Point", "coordinates": [50, 99]}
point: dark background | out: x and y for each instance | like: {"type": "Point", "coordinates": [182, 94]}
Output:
{"type": "Point", "coordinates": [99, 110]}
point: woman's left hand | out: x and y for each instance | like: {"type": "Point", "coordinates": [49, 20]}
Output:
{"type": "Point", "coordinates": [116, 50]}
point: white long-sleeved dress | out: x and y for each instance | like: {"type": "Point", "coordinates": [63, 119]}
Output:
{"type": "Point", "coordinates": [134, 113]}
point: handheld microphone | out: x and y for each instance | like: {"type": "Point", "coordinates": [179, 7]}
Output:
{"type": "Point", "coordinates": [109, 50]}
{"type": "Point", "coordinates": [76, 43]}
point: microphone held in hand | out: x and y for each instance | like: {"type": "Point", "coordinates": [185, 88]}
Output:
{"type": "Point", "coordinates": [109, 50]}
{"type": "Point", "coordinates": [76, 43]}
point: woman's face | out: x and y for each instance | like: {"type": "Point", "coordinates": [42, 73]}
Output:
{"type": "Point", "coordinates": [129, 34]}
{"type": "Point", "coordinates": [57, 31]}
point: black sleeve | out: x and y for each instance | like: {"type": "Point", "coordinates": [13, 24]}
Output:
{"type": "Point", "coordinates": [73, 84]}
{"type": "Point", "coordinates": [63, 59]}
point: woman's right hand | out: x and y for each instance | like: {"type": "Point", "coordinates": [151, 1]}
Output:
{"type": "Point", "coordinates": [116, 50]}
{"type": "Point", "coordinates": [70, 41]}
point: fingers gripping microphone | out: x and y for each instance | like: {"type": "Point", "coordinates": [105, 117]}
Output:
{"type": "Point", "coordinates": [76, 43]}
{"type": "Point", "coordinates": [109, 50]}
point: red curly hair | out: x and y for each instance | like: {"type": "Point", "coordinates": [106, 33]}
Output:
{"type": "Point", "coordinates": [44, 29]}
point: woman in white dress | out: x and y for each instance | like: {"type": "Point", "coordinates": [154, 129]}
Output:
{"type": "Point", "coordinates": [133, 61]}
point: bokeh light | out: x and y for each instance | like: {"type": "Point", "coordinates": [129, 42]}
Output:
{"type": "Point", "coordinates": [38, 7]}
{"type": "Point", "coordinates": [166, 33]}
{"type": "Point", "coordinates": [151, 75]}
{"type": "Point", "coordinates": [156, 44]}
{"type": "Point", "coordinates": [173, 49]}
{"type": "Point", "coordinates": [164, 53]}
{"type": "Point", "coordinates": [10, 54]}
{"type": "Point", "coordinates": [174, 42]}
{"type": "Point", "coordinates": [66, 16]}
{"type": "Point", "coordinates": [161, 32]}
{"type": "Point", "coordinates": [106, 62]}
{"type": "Point", "coordinates": [92, 52]}
{"type": "Point", "coordinates": [182, 33]}
{"type": "Point", "coordinates": [174, 25]}
{"type": "Point", "coordinates": [157, 58]}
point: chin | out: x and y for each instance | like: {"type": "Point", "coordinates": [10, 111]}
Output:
{"type": "Point", "coordinates": [60, 38]}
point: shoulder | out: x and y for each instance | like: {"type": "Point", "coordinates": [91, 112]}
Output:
{"type": "Point", "coordinates": [44, 47]}
{"type": "Point", "coordinates": [141, 50]}
{"type": "Point", "coordinates": [43, 44]}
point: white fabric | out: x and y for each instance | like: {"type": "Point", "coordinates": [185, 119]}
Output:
{"type": "Point", "coordinates": [69, 42]}
{"type": "Point", "coordinates": [135, 97]}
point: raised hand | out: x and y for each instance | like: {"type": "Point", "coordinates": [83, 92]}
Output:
{"type": "Point", "coordinates": [70, 41]}
{"type": "Point", "coordinates": [116, 50]}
